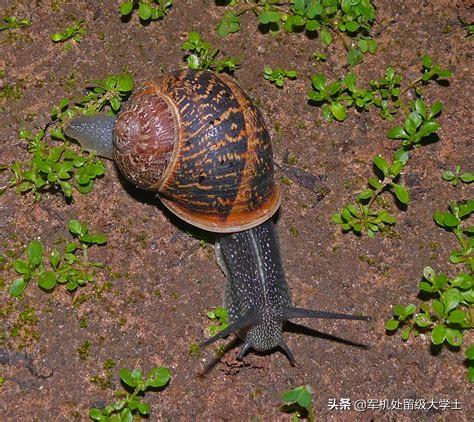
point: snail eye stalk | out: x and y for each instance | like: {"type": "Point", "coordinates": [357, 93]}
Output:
{"type": "Point", "coordinates": [310, 313]}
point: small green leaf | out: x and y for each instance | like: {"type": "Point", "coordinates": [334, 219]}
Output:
{"type": "Point", "coordinates": [319, 81]}
{"type": "Point", "coordinates": [339, 111]}
{"type": "Point", "coordinates": [326, 36]}
{"type": "Point", "coordinates": [438, 307]}
{"type": "Point", "coordinates": [126, 8]}
{"type": "Point", "coordinates": [268, 17]}
{"type": "Point", "coordinates": [144, 11]}
{"type": "Point", "coordinates": [47, 280]}
{"type": "Point", "coordinates": [365, 194]}
{"type": "Point", "coordinates": [127, 378]}
{"type": "Point", "coordinates": [21, 266]}
{"type": "Point", "coordinates": [457, 316]}
{"type": "Point", "coordinates": [450, 220]}
{"type": "Point", "coordinates": [401, 193]}
{"type": "Point", "coordinates": [470, 352]}
{"type": "Point", "coordinates": [391, 324]}
{"type": "Point", "coordinates": [422, 320]}
{"type": "Point", "coordinates": [17, 288]}
{"type": "Point", "coordinates": [352, 26]}
{"type": "Point", "coordinates": [56, 37]}
{"type": "Point", "coordinates": [420, 107]}
{"type": "Point", "coordinates": [143, 408]}
{"type": "Point", "coordinates": [429, 273]}
{"type": "Point", "coordinates": [454, 337]}
{"type": "Point", "coordinates": [75, 227]}
{"type": "Point", "coordinates": [427, 61]}
{"type": "Point", "coordinates": [158, 377]}
{"type": "Point", "coordinates": [438, 334]}
{"type": "Point", "coordinates": [96, 415]}
{"type": "Point", "coordinates": [450, 299]}
{"type": "Point", "coordinates": [436, 108]}
{"type": "Point", "coordinates": [397, 133]}
{"type": "Point", "coordinates": [34, 252]}
{"type": "Point", "coordinates": [381, 164]}
{"type": "Point", "coordinates": [125, 82]}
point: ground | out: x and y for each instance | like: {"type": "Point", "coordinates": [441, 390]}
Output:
{"type": "Point", "coordinates": [149, 306]}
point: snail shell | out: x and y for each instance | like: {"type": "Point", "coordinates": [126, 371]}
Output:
{"type": "Point", "coordinates": [197, 139]}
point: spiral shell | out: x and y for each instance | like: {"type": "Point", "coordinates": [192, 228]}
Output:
{"type": "Point", "coordinates": [197, 139]}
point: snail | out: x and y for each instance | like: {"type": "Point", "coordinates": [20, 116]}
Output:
{"type": "Point", "coordinates": [196, 139]}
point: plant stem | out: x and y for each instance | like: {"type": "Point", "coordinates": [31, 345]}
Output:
{"type": "Point", "coordinates": [339, 35]}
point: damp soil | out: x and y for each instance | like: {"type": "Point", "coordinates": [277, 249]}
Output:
{"type": "Point", "coordinates": [148, 306]}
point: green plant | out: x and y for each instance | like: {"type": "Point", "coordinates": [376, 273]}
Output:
{"type": "Point", "coordinates": [111, 91]}
{"type": "Point", "coordinates": [298, 402]}
{"type": "Point", "coordinates": [329, 18]}
{"type": "Point", "coordinates": [386, 93]}
{"type": "Point", "coordinates": [447, 314]}
{"type": "Point", "coordinates": [278, 75]}
{"type": "Point", "coordinates": [362, 216]}
{"type": "Point", "coordinates": [419, 125]}
{"type": "Point", "coordinates": [447, 307]}
{"type": "Point", "coordinates": [202, 55]}
{"type": "Point", "coordinates": [455, 176]}
{"type": "Point", "coordinates": [453, 221]}
{"type": "Point", "coordinates": [147, 9]}
{"type": "Point", "coordinates": [11, 22]}
{"type": "Point", "coordinates": [219, 318]}
{"type": "Point", "coordinates": [74, 32]}
{"type": "Point", "coordinates": [60, 168]}
{"type": "Point", "coordinates": [69, 267]}
{"type": "Point", "coordinates": [131, 404]}
{"type": "Point", "coordinates": [52, 169]}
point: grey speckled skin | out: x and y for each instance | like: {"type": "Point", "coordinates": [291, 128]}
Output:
{"type": "Point", "coordinates": [94, 133]}
{"type": "Point", "coordinates": [258, 299]}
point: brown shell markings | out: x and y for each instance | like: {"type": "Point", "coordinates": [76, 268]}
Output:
{"type": "Point", "coordinates": [209, 156]}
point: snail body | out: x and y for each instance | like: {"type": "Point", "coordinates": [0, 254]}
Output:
{"type": "Point", "coordinates": [197, 140]}
{"type": "Point", "coordinates": [257, 297]}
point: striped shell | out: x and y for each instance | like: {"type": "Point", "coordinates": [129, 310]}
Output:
{"type": "Point", "coordinates": [197, 140]}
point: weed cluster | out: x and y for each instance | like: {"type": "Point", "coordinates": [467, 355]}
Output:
{"type": "Point", "coordinates": [420, 127]}
{"type": "Point", "coordinates": [12, 22]}
{"type": "Point", "coordinates": [74, 32]}
{"type": "Point", "coordinates": [327, 18]}
{"type": "Point", "coordinates": [202, 55]}
{"type": "Point", "coordinates": [278, 76]}
{"type": "Point", "coordinates": [448, 302]}
{"type": "Point", "coordinates": [70, 267]}
{"type": "Point", "coordinates": [147, 9]}
{"type": "Point", "coordinates": [60, 168]}
{"type": "Point", "coordinates": [131, 403]}
{"type": "Point", "coordinates": [219, 318]}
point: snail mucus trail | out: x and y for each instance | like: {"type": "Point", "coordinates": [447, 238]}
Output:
{"type": "Point", "coordinates": [197, 140]}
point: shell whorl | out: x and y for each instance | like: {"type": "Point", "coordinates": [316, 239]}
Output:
{"type": "Point", "coordinates": [144, 138]}
{"type": "Point", "coordinates": [197, 139]}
